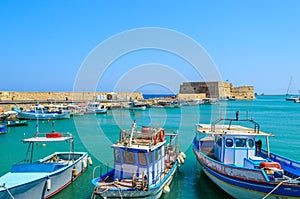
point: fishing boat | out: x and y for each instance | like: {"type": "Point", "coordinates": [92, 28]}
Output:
{"type": "Point", "coordinates": [209, 101]}
{"type": "Point", "coordinates": [232, 156]}
{"type": "Point", "coordinates": [6, 119]}
{"type": "Point", "coordinates": [2, 128]}
{"type": "Point", "coordinates": [75, 110]}
{"type": "Point", "coordinates": [42, 113]}
{"type": "Point", "coordinates": [136, 105]}
{"type": "Point", "coordinates": [144, 165]}
{"type": "Point", "coordinates": [47, 176]}
{"type": "Point", "coordinates": [96, 108]}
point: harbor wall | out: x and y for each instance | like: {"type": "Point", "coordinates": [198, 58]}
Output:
{"type": "Point", "coordinates": [9, 99]}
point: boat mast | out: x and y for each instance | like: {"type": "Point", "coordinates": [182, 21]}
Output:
{"type": "Point", "coordinates": [268, 146]}
{"type": "Point", "coordinates": [131, 133]}
{"type": "Point", "coordinates": [288, 90]}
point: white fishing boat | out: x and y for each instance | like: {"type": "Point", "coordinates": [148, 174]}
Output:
{"type": "Point", "coordinates": [233, 158]}
{"type": "Point", "coordinates": [96, 108]}
{"type": "Point", "coordinates": [47, 176]}
{"type": "Point", "coordinates": [144, 165]}
{"type": "Point", "coordinates": [75, 110]}
{"type": "Point", "coordinates": [136, 105]}
{"type": "Point", "coordinates": [42, 113]}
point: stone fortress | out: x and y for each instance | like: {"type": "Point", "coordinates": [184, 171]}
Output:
{"type": "Point", "coordinates": [221, 90]}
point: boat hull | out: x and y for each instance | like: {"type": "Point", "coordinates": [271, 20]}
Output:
{"type": "Point", "coordinates": [154, 192]}
{"type": "Point", "coordinates": [36, 187]}
{"type": "Point", "coordinates": [227, 178]}
{"type": "Point", "coordinates": [42, 116]}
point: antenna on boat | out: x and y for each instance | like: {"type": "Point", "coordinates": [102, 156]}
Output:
{"type": "Point", "coordinates": [131, 132]}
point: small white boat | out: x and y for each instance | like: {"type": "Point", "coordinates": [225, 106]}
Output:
{"type": "Point", "coordinates": [135, 105]}
{"type": "Point", "coordinates": [96, 108]}
{"type": "Point", "coordinates": [45, 177]}
{"type": "Point", "coordinates": [144, 165]}
{"type": "Point", "coordinates": [75, 110]}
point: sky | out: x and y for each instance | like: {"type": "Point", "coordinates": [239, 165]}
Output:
{"type": "Point", "coordinates": [44, 45]}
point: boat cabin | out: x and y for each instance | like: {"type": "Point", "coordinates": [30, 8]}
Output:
{"type": "Point", "coordinates": [233, 149]}
{"type": "Point", "coordinates": [233, 144]}
{"type": "Point", "coordinates": [142, 157]}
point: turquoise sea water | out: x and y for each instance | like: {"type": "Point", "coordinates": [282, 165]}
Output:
{"type": "Point", "coordinates": [95, 134]}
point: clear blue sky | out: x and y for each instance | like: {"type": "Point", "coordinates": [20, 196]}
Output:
{"type": "Point", "coordinates": [43, 43]}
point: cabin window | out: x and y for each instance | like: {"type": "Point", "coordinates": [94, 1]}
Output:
{"type": "Point", "coordinates": [128, 157]}
{"type": "Point", "coordinates": [218, 141]}
{"type": "Point", "coordinates": [250, 143]}
{"type": "Point", "coordinates": [142, 159]}
{"type": "Point", "coordinates": [150, 158]}
{"type": "Point", "coordinates": [240, 142]}
{"type": "Point", "coordinates": [229, 142]}
{"type": "Point", "coordinates": [117, 156]}
{"type": "Point", "coordinates": [157, 154]}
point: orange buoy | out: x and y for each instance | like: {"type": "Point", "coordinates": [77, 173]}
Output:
{"type": "Point", "coordinates": [162, 135]}
{"type": "Point", "coordinates": [155, 138]}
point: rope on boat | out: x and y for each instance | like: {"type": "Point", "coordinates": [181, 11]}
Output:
{"type": "Point", "coordinates": [119, 189]}
{"type": "Point", "coordinates": [7, 191]}
{"type": "Point", "coordinates": [278, 186]}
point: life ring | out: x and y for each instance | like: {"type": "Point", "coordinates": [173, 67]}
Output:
{"type": "Point", "coordinates": [162, 135]}
{"type": "Point", "coordinates": [155, 138]}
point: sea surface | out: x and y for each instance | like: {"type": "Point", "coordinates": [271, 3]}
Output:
{"type": "Point", "coordinates": [95, 134]}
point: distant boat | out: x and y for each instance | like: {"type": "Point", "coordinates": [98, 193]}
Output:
{"type": "Point", "coordinates": [233, 158]}
{"type": "Point", "coordinates": [7, 119]}
{"type": "Point", "coordinates": [47, 176]}
{"type": "Point", "coordinates": [144, 165]}
{"type": "Point", "coordinates": [40, 112]}
{"type": "Point", "coordinates": [209, 101]}
{"type": "Point", "coordinates": [96, 108]}
{"type": "Point", "coordinates": [2, 128]}
{"type": "Point", "coordinates": [290, 97]}
{"type": "Point", "coordinates": [75, 110]}
{"type": "Point", "coordinates": [136, 105]}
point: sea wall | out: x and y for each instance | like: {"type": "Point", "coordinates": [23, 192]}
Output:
{"type": "Point", "coordinates": [9, 99]}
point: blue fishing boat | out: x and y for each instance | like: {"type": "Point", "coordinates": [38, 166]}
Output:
{"type": "Point", "coordinates": [2, 128]}
{"type": "Point", "coordinates": [42, 113]}
{"type": "Point", "coordinates": [233, 158]}
{"type": "Point", "coordinates": [45, 177]}
{"type": "Point", "coordinates": [144, 165]}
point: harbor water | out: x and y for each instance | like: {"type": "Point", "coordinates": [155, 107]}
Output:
{"type": "Point", "coordinates": [95, 134]}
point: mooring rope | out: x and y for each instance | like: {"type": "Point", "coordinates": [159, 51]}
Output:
{"type": "Point", "coordinates": [7, 191]}
{"type": "Point", "coordinates": [278, 186]}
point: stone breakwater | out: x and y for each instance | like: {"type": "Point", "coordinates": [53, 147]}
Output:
{"type": "Point", "coordinates": [9, 99]}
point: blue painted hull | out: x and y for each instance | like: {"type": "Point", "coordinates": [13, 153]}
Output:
{"type": "Point", "coordinates": [2, 128]}
{"type": "Point", "coordinates": [241, 182]}
{"type": "Point", "coordinates": [42, 116]}
{"type": "Point", "coordinates": [33, 184]}
{"type": "Point", "coordinates": [155, 191]}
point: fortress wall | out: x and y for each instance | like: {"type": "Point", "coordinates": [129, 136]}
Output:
{"type": "Point", "coordinates": [243, 93]}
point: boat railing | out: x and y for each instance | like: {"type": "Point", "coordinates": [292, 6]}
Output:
{"type": "Point", "coordinates": [255, 128]}
{"type": "Point", "coordinates": [101, 167]}
{"type": "Point", "coordinates": [289, 166]}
